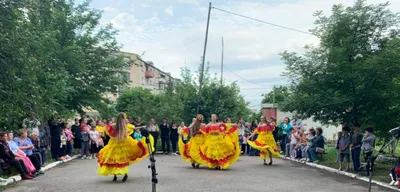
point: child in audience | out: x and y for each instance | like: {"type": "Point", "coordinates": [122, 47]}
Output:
{"type": "Point", "coordinates": [63, 145]}
{"type": "Point", "coordinates": [137, 135]}
{"type": "Point", "coordinates": [85, 142]}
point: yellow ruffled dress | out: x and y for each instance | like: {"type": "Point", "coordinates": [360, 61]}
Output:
{"type": "Point", "coordinates": [265, 142]}
{"type": "Point", "coordinates": [190, 151]}
{"type": "Point", "coordinates": [221, 148]}
{"type": "Point", "coordinates": [115, 158]}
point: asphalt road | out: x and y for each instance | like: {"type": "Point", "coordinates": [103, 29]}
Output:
{"type": "Point", "coordinates": [248, 174]}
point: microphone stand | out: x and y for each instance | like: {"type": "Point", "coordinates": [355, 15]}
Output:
{"type": "Point", "coordinates": [152, 166]}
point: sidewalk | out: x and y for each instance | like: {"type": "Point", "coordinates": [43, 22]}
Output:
{"type": "Point", "coordinates": [351, 175]}
{"type": "Point", "coordinates": [16, 178]}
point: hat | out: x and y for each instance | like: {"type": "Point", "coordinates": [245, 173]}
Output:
{"type": "Point", "coordinates": [369, 129]}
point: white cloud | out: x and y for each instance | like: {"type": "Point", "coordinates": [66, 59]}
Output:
{"type": "Point", "coordinates": [248, 44]}
{"type": "Point", "coordinates": [123, 21]}
{"type": "Point", "coordinates": [169, 11]}
{"type": "Point", "coordinates": [110, 9]}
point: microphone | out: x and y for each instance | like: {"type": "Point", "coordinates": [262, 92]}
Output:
{"type": "Point", "coordinates": [144, 132]}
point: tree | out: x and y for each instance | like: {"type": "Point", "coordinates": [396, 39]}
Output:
{"type": "Point", "coordinates": [55, 58]}
{"type": "Point", "coordinates": [277, 95]}
{"type": "Point", "coordinates": [349, 75]}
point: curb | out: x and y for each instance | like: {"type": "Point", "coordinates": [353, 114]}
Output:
{"type": "Point", "coordinates": [351, 175]}
{"type": "Point", "coordinates": [16, 178]}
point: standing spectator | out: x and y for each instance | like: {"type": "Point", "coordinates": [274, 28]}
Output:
{"type": "Point", "coordinates": [63, 146]}
{"type": "Point", "coordinates": [31, 124]}
{"type": "Point", "coordinates": [245, 146]}
{"type": "Point", "coordinates": [318, 145]}
{"type": "Point", "coordinates": [76, 132]}
{"type": "Point", "coordinates": [367, 146]}
{"type": "Point", "coordinates": [174, 136]}
{"type": "Point", "coordinates": [94, 142]}
{"type": "Point", "coordinates": [44, 135]}
{"type": "Point", "coordinates": [181, 129]}
{"type": "Point", "coordinates": [294, 140]}
{"type": "Point", "coordinates": [139, 123]}
{"type": "Point", "coordinates": [39, 147]}
{"type": "Point", "coordinates": [70, 137]}
{"type": "Point", "coordinates": [7, 159]}
{"type": "Point", "coordinates": [241, 128]}
{"type": "Point", "coordinates": [344, 148]}
{"type": "Point", "coordinates": [55, 139]}
{"type": "Point", "coordinates": [154, 131]}
{"type": "Point", "coordinates": [165, 135]}
{"type": "Point", "coordinates": [355, 145]}
{"type": "Point", "coordinates": [26, 145]}
{"type": "Point", "coordinates": [84, 142]}
{"type": "Point", "coordinates": [337, 147]}
{"type": "Point", "coordinates": [285, 128]}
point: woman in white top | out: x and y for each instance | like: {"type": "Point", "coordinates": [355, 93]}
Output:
{"type": "Point", "coordinates": [94, 136]}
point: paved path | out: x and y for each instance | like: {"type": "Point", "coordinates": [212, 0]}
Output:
{"type": "Point", "coordinates": [248, 174]}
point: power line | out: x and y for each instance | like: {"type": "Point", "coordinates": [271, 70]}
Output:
{"type": "Point", "coordinates": [244, 78]}
{"type": "Point", "coordinates": [265, 22]}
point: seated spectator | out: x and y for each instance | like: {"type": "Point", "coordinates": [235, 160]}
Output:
{"type": "Point", "coordinates": [294, 140]}
{"type": "Point", "coordinates": [309, 144]}
{"type": "Point", "coordinates": [300, 145]}
{"type": "Point", "coordinates": [8, 160]}
{"type": "Point", "coordinates": [318, 145]}
{"type": "Point", "coordinates": [20, 155]}
{"type": "Point", "coordinates": [367, 147]}
{"type": "Point", "coordinates": [26, 145]}
{"type": "Point", "coordinates": [39, 147]}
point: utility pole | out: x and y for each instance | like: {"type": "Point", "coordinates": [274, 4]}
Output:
{"type": "Point", "coordinates": [222, 62]}
{"type": "Point", "coordinates": [203, 60]}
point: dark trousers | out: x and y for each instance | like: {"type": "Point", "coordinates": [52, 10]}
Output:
{"type": "Point", "coordinates": [355, 156]}
{"type": "Point", "coordinates": [366, 156]}
{"type": "Point", "coordinates": [35, 161]}
{"type": "Point", "coordinates": [165, 144]}
{"type": "Point", "coordinates": [283, 142]}
{"type": "Point", "coordinates": [393, 174]}
{"type": "Point", "coordinates": [55, 147]}
{"type": "Point", "coordinates": [155, 136]}
{"type": "Point", "coordinates": [245, 148]}
{"type": "Point", "coordinates": [19, 166]}
{"type": "Point", "coordinates": [42, 152]}
{"type": "Point", "coordinates": [62, 151]}
{"type": "Point", "coordinates": [174, 142]}
{"type": "Point", "coordinates": [69, 148]}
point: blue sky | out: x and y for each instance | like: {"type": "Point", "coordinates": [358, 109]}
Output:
{"type": "Point", "coordinates": [171, 33]}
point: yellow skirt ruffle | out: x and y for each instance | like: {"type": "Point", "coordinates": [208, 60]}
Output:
{"type": "Point", "coordinates": [190, 151]}
{"type": "Point", "coordinates": [219, 151]}
{"type": "Point", "coordinates": [116, 156]}
{"type": "Point", "coordinates": [265, 143]}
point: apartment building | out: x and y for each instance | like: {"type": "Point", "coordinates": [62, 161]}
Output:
{"type": "Point", "coordinates": [144, 74]}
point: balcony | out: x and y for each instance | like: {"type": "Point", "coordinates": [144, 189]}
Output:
{"type": "Point", "coordinates": [149, 74]}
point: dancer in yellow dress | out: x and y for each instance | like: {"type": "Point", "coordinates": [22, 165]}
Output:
{"type": "Point", "coordinates": [221, 148]}
{"type": "Point", "coordinates": [122, 150]}
{"type": "Point", "coordinates": [190, 151]}
{"type": "Point", "coordinates": [265, 141]}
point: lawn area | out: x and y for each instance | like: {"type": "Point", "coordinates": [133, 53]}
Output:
{"type": "Point", "coordinates": [381, 170]}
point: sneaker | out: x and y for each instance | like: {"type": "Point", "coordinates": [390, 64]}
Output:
{"type": "Point", "coordinates": [90, 157]}
{"type": "Point", "coordinates": [86, 157]}
{"type": "Point", "coordinates": [68, 156]}
{"type": "Point", "coordinates": [392, 183]}
{"type": "Point", "coordinates": [174, 153]}
{"type": "Point", "coordinates": [397, 183]}
{"type": "Point", "coordinates": [82, 158]}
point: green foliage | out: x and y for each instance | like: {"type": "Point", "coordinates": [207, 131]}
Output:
{"type": "Point", "coordinates": [54, 58]}
{"type": "Point", "coordinates": [181, 104]}
{"type": "Point", "coordinates": [277, 95]}
{"type": "Point", "coordinates": [351, 75]}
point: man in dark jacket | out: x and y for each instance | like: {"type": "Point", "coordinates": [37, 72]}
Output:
{"type": "Point", "coordinates": [355, 145]}
{"type": "Point", "coordinates": [165, 136]}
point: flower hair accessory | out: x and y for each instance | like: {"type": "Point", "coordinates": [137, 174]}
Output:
{"type": "Point", "coordinates": [125, 116]}
{"type": "Point", "coordinates": [199, 117]}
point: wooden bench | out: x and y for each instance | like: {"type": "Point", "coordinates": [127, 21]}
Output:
{"type": "Point", "coordinates": [321, 155]}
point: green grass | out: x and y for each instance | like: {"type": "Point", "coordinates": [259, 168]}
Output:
{"type": "Point", "coordinates": [381, 170]}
